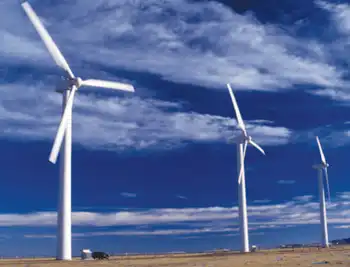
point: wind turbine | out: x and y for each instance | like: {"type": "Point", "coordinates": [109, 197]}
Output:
{"type": "Point", "coordinates": [242, 142]}
{"type": "Point", "coordinates": [323, 216]}
{"type": "Point", "coordinates": [64, 134]}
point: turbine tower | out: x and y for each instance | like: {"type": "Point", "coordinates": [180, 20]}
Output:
{"type": "Point", "coordinates": [242, 142]}
{"type": "Point", "coordinates": [64, 224]}
{"type": "Point", "coordinates": [323, 216]}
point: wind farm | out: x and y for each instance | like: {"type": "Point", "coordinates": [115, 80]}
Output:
{"type": "Point", "coordinates": [148, 176]}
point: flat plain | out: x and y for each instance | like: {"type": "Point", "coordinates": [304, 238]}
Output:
{"type": "Point", "coordinates": [339, 256]}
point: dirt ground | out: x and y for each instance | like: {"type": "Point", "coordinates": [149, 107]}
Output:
{"type": "Point", "coordinates": [286, 258]}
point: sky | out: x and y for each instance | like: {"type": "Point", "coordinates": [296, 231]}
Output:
{"type": "Point", "coordinates": [152, 171]}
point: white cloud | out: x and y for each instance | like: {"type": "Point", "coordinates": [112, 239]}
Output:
{"type": "Point", "coordinates": [181, 197]}
{"type": "Point", "coordinates": [153, 216]}
{"type": "Point", "coordinates": [127, 194]}
{"type": "Point", "coordinates": [128, 122]}
{"type": "Point", "coordinates": [344, 195]}
{"type": "Point", "coordinates": [342, 226]}
{"type": "Point", "coordinates": [40, 236]}
{"type": "Point", "coordinates": [286, 182]}
{"type": "Point", "coordinates": [137, 35]}
{"type": "Point", "coordinates": [338, 94]}
{"type": "Point", "coordinates": [166, 232]}
{"type": "Point", "coordinates": [261, 201]}
{"type": "Point", "coordinates": [189, 221]}
{"type": "Point", "coordinates": [335, 135]}
{"type": "Point", "coordinates": [298, 211]}
{"type": "Point", "coordinates": [305, 198]}
{"type": "Point", "coordinates": [340, 14]}
{"type": "Point", "coordinates": [118, 122]}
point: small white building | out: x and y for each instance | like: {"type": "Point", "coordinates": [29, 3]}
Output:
{"type": "Point", "coordinates": [86, 254]}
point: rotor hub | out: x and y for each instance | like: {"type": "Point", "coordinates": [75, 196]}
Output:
{"type": "Point", "coordinates": [78, 82]}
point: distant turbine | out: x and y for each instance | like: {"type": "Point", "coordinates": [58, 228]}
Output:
{"type": "Point", "coordinates": [242, 142]}
{"type": "Point", "coordinates": [323, 216]}
{"type": "Point", "coordinates": [64, 235]}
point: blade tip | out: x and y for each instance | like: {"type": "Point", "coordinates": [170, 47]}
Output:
{"type": "Point", "coordinates": [52, 159]}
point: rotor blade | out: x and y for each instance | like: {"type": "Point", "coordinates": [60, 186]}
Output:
{"type": "Point", "coordinates": [327, 182]}
{"type": "Point", "coordinates": [235, 106]}
{"type": "Point", "coordinates": [49, 43]}
{"type": "Point", "coordinates": [62, 127]}
{"type": "Point", "coordinates": [257, 146]}
{"type": "Point", "coordinates": [242, 165]}
{"type": "Point", "coordinates": [108, 84]}
{"type": "Point", "coordinates": [321, 151]}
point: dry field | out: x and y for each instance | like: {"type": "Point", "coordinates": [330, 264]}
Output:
{"type": "Point", "coordinates": [286, 258]}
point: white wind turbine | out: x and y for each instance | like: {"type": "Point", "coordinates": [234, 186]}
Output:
{"type": "Point", "coordinates": [64, 234]}
{"type": "Point", "coordinates": [323, 216]}
{"type": "Point", "coordinates": [242, 142]}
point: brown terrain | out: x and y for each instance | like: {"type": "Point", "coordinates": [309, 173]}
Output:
{"type": "Point", "coordinates": [339, 256]}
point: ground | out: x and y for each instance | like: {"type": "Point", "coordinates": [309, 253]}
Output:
{"type": "Point", "coordinates": [339, 256]}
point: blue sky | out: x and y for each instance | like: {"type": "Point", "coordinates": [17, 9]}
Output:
{"type": "Point", "coordinates": [152, 171]}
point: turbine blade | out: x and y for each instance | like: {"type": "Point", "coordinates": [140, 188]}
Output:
{"type": "Point", "coordinates": [46, 38]}
{"type": "Point", "coordinates": [327, 182]}
{"type": "Point", "coordinates": [108, 84]}
{"type": "Point", "coordinates": [238, 114]}
{"type": "Point", "coordinates": [242, 165]}
{"type": "Point", "coordinates": [245, 149]}
{"type": "Point", "coordinates": [257, 146]}
{"type": "Point", "coordinates": [62, 127]}
{"type": "Point", "coordinates": [321, 151]}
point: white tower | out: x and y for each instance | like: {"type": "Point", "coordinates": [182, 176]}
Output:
{"type": "Point", "coordinates": [323, 216]}
{"type": "Point", "coordinates": [242, 142]}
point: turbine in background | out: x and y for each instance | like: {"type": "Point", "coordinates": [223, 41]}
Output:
{"type": "Point", "coordinates": [323, 216]}
{"type": "Point", "coordinates": [242, 142]}
{"type": "Point", "coordinates": [64, 134]}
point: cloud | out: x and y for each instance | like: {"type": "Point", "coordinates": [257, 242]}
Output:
{"type": "Point", "coordinates": [40, 236]}
{"type": "Point", "coordinates": [305, 198]}
{"type": "Point", "coordinates": [153, 216]}
{"type": "Point", "coordinates": [341, 226]}
{"type": "Point", "coordinates": [286, 182]}
{"type": "Point", "coordinates": [168, 232]}
{"type": "Point", "coordinates": [191, 221]}
{"type": "Point", "coordinates": [179, 48]}
{"type": "Point", "coordinates": [339, 14]}
{"type": "Point", "coordinates": [119, 123]}
{"type": "Point", "coordinates": [339, 32]}
{"type": "Point", "coordinates": [125, 121]}
{"type": "Point", "coordinates": [338, 94]}
{"type": "Point", "coordinates": [332, 135]}
{"type": "Point", "coordinates": [299, 211]}
{"type": "Point", "coordinates": [181, 197]}
{"type": "Point", "coordinates": [261, 201]}
{"type": "Point", "coordinates": [344, 195]}
{"type": "Point", "coordinates": [262, 56]}
{"type": "Point", "coordinates": [129, 195]}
